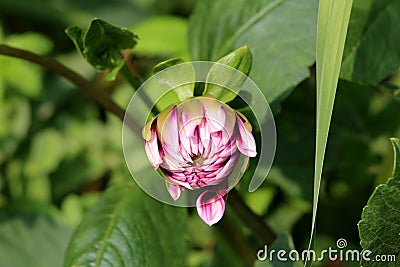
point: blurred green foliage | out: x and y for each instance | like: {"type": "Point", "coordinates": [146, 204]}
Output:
{"type": "Point", "coordinates": [59, 150]}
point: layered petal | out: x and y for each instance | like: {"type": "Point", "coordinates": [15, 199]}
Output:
{"type": "Point", "coordinates": [210, 207]}
{"type": "Point", "coordinates": [174, 190]}
{"type": "Point", "coordinates": [245, 141]}
{"type": "Point", "coordinates": [152, 150]}
{"type": "Point", "coordinates": [197, 144]}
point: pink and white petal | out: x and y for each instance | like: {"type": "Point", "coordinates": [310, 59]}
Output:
{"type": "Point", "coordinates": [210, 207]}
{"type": "Point", "coordinates": [174, 159]}
{"type": "Point", "coordinates": [168, 130]}
{"type": "Point", "coordinates": [176, 178]}
{"type": "Point", "coordinates": [174, 190]}
{"type": "Point", "coordinates": [204, 134]}
{"type": "Point", "coordinates": [194, 144]}
{"type": "Point", "coordinates": [186, 130]}
{"type": "Point", "coordinates": [245, 141]}
{"type": "Point", "coordinates": [152, 150]}
{"type": "Point", "coordinates": [214, 113]}
{"type": "Point", "coordinates": [227, 169]}
{"type": "Point", "coordinates": [229, 126]}
{"type": "Point", "coordinates": [193, 110]}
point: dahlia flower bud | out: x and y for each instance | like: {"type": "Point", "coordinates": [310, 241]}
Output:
{"type": "Point", "coordinates": [196, 144]}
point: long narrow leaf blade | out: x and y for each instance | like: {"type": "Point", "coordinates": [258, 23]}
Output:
{"type": "Point", "coordinates": [333, 20]}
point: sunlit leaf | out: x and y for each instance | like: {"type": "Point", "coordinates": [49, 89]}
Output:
{"type": "Point", "coordinates": [230, 78]}
{"type": "Point", "coordinates": [280, 34]}
{"type": "Point", "coordinates": [128, 228]}
{"type": "Point", "coordinates": [330, 45]}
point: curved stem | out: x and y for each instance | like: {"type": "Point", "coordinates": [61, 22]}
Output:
{"type": "Point", "coordinates": [253, 221]}
{"type": "Point", "coordinates": [237, 241]}
{"type": "Point", "coordinates": [97, 94]}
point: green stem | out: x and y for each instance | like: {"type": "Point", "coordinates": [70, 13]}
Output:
{"type": "Point", "coordinates": [261, 230]}
{"type": "Point", "coordinates": [136, 83]}
{"type": "Point", "coordinates": [236, 239]}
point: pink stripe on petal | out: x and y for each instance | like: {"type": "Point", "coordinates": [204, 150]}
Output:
{"type": "Point", "coordinates": [169, 131]}
{"type": "Point", "coordinates": [245, 141]}
{"type": "Point", "coordinates": [204, 133]}
{"type": "Point", "coordinates": [215, 117]}
{"type": "Point", "coordinates": [174, 178]}
{"type": "Point", "coordinates": [227, 169]}
{"type": "Point", "coordinates": [210, 207]}
{"type": "Point", "coordinates": [152, 151]}
{"type": "Point", "coordinates": [174, 190]}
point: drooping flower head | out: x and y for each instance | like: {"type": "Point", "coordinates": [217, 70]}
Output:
{"type": "Point", "coordinates": [196, 144]}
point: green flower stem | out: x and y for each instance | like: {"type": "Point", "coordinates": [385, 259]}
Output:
{"type": "Point", "coordinates": [96, 93]}
{"type": "Point", "coordinates": [236, 239]}
{"type": "Point", "coordinates": [256, 223]}
{"type": "Point", "coordinates": [136, 83]}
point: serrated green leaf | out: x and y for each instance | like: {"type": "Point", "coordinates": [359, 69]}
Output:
{"type": "Point", "coordinates": [101, 45]}
{"type": "Point", "coordinates": [241, 60]}
{"type": "Point", "coordinates": [128, 228]}
{"type": "Point", "coordinates": [104, 42]}
{"type": "Point", "coordinates": [379, 228]}
{"type": "Point", "coordinates": [280, 33]}
{"type": "Point", "coordinates": [77, 35]}
{"type": "Point", "coordinates": [372, 49]}
{"type": "Point", "coordinates": [34, 241]}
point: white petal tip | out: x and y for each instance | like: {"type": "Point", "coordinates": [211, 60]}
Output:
{"type": "Point", "coordinates": [210, 207]}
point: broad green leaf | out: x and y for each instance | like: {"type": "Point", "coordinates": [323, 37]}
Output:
{"type": "Point", "coordinates": [280, 33]}
{"type": "Point", "coordinates": [176, 81]}
{"type": "Point", "coordinates": [77, 35]}
{"type": "Point", "coordinates": [238, 60]}
{"type": "Point", "coordinates": [101, 45]}
{"type": "Point", "coordinates": [283, 242]}
{"type": "Point", "coordinates": [128, 228]}
{"type": "Point", "coordinates": [372, 48]}
{"type": "Point", "coordinates": [379, 228]}
{"type": "Point", "coordinates": [162, 36]}
{"type": "Point", "coordinates": [34, 241]}
{"type": "Point", "coordinates": [333, 19]}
